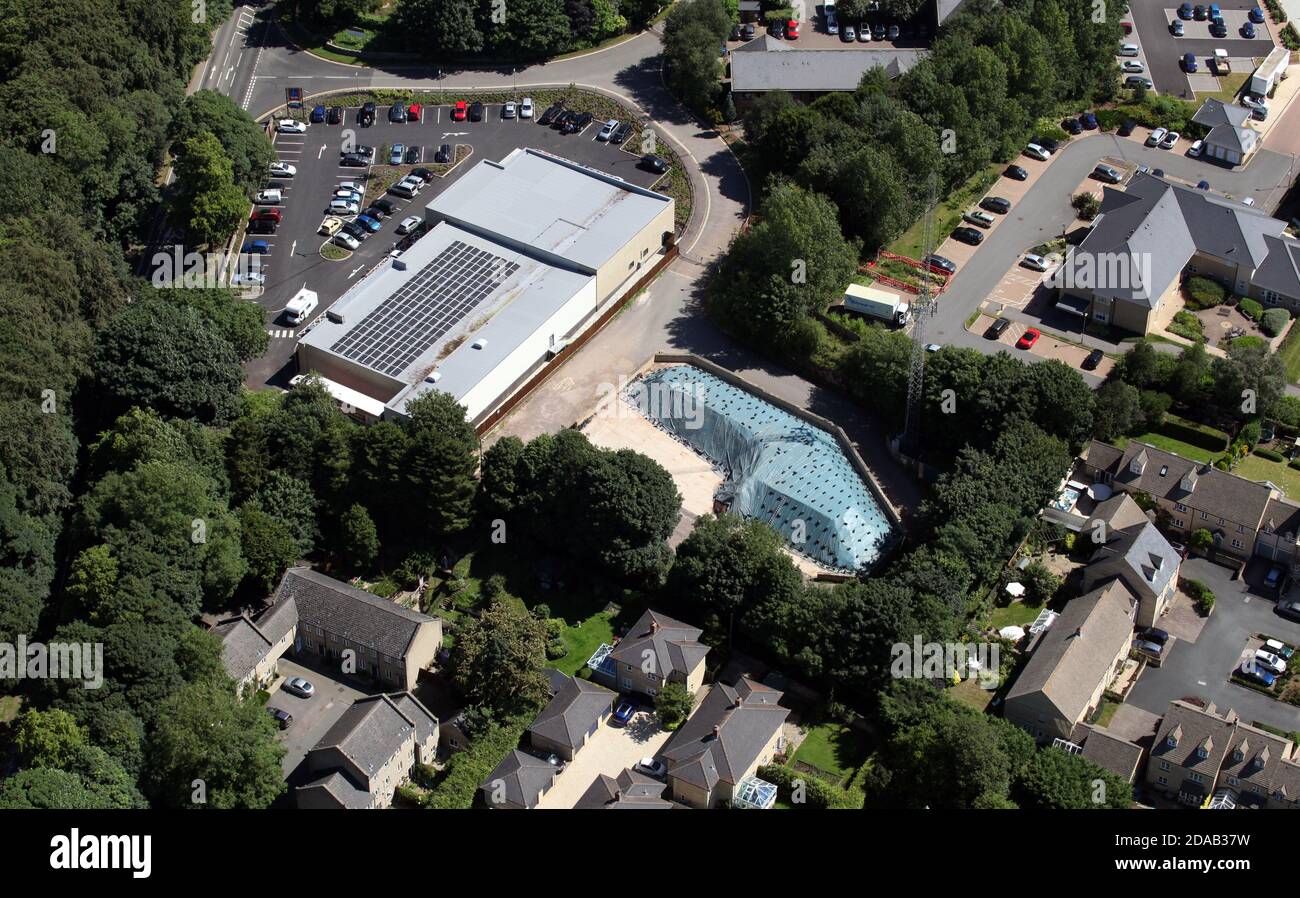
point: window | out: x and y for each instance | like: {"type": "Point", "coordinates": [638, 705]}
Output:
{"type": "Point", "coordinates": [1162, 781]}
{"type": "Point", "coordinates": [1197, 777]}
{"type": "Point", "coordinates": [1233, 781]}
{"type": "Point", "coordinates": [1164, 765]}
{"type": "Point", "coordinates": [1237, 544]}
{"type": "Point", "coordinates": [1205, 516]}
{"type": "Point", "coordinates": [627, 683]}
{"type": "Point", "coordinates": [1178, 506]}
{"type": "Point", "coordinates": [1241, 528]}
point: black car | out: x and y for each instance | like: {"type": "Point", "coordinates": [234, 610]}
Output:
{"type": "Point", "coordinates": [367, 115]}
{"type": "Point", "coordinates": [1289, 608]}
{"type": "Point", "coordinates": [334, 115]}
{"type": "Point", "coordinates": [387, 205]}
{"type": "Point", "coordinates": [397, 113]}
{"type": "Point", "coordinates": [1016, 173]}
{"type": "Point", "coordinates": [944, 264]}
{"type": "Point", "coordinates": [1093, 360]}
{"type": "Point", "coordinates": [262, 226]}
{"type": "Point", "coordinates": [374, 212]}
{"type": "Point", "coordinates": [413, 154]}
{"type": "Point", "coordinates": [1072, 126]}
{"type": "Point", "coordinates": [578, 122]}
{"type": "Point", "coordinates": [549, 115]}
{"type": "Point", "coordinates": [1048, 144]}
{"type": "Point", "coordinates": [423, 174]}
{"type": "Point", "coordinates": [621, 133]}
{"type": "Point", "coordinates": [996, 204]}
{"type": "Point", "coordinates": [443, 155]}
{"type": "Point", "coordinates": [562, 118]}
{"type": "Point", "coordinates": [748, 31]}
{"type": "Point", "coordinates": [1218, 29]}
{"type": "Point", "coordinates": [998, 328]}
{"type": "Point", "coordinates": [1126, 128]}
{"type": "Point", "coordinates": [735, 33]}
{"type": "Point", "coordinates": [654, 164]}
{"type": "Point", "coordinates": [1199, 13]}
{"type": "Point", "coordinates": [968, 236]}
{"type": "Point", "coordinates": [477, 111]}
{"type": "Point", "coordinates": [354, 160]}
{"type": "Point", "coordinates": [1155, 634]}
{"type": "Point", "coordinates": [356, 230]}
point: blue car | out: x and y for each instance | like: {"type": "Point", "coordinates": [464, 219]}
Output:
{"type": "Point", "coordinates": [368, 223]}
{"type": "Point", "coordinates": [1258, 674]}
{"type": "Point", "coordinates": [395, 157]}
{"type": "Point", "coordinates": [318, 115]}
{"type": "Point", "coordinates": [1256, 15]}
{"type": "Point", "coordinates": [623, 713]}
{"type": "Point", "coordinates": [1189, 62]}
{"type": "Point", "coordinates": [1089, 121]}
{"type": "Point", "coordinates": [257, 247]}
{"type": "Point", "coordinates": [1185, 11]}
{"type": "Point", "coordinates": [1214, 12]}
{"type": "Point", "coordinates": [1248, 31]}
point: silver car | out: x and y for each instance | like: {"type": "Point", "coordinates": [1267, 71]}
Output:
{"type": "Point", "coordinates": [299, 687]}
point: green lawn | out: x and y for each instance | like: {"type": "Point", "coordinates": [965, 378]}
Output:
{"type": "Point", "coordinates": [969, 692]}
{"type": "Point", "coordinates": [582, 640]}
{"type": "Point", "coordinates": [9, 705]}
{"type": "Point", "coordinates": [833, 748]}
{"type": "Point", "coordinates": [1106, 712]}
{"type": "Point", "coordinates": [1186, 438]}
{"type": "Point", "coordinates": [1017, 614]}
{"type": "Point", "coordinates": [947, 214]}
{"type": "Point", "coordinates": [1289, 352]}
{"type": "Point", "coordinates": [1252, 467]}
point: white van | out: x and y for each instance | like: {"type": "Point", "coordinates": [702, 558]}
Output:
{"type": "Point", "coordinates": [302, 305]}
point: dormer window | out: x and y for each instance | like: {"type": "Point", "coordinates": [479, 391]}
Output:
{"type": "Point", "coordinates": [1139, 463]}
{"type": "Point", "coordinates": [1171, 740]}
{"type": "Point", "coordinates": [1202, 752]}
{"type": "Point", "coordinates": [1238, 756]}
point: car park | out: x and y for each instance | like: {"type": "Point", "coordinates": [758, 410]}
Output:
{"type": "Point", "coordinates": [269, 198]}
{"type": "Point", "coordinates": [409, 224]}
{"type": "Point", "coordinates": [1107, 173]}
{"type": "Point", "coordinates": [526, 108]}
{"type": "Point", "coordinates": [1034, 151]}
{"type": "Point", "coordinates": [969, 236]}
{"type": "Point", "coordinates": [1034, 262]}
{"type": "Point", "coordinates": [1016, 173]}
{"type": "Point", "coordinates": [397, 113]}
{"type": "Point", "coordinates": [317, 115]}
{"type": "Point", "coordinates": [1154, 138]}
{"type": "Point", "coordinates": [334, 115]}
{"type": "Point", "coordinates": [979, 217]}
{"type": "Point", "coordinates": [623, 713]}
{"type": "Point", "coordinates": [347, 241]}
{"type": "Point", "coordinates": [1170, 140]}
{"type": "Point", "coordinates": [1189, 63]}
{"type": "Point", "coordinates": [1269, 662]}
{"type": "Point", "coordinates": [283, 719]}
{"type": "Point", "coordinates": [1093, 360]}
{"type": "Point", "coordinates": [996, 204]}
{"type": "Point", "coordinates": [299, 687]}
{"type": "Point", "coordinates": [290, 126]}
{"type": "Point", "coordinates": [330, 226]}
{"type": "Point", "coordinates": [997, 328]}
{"type": "Point", "coordinates": [282, 170]}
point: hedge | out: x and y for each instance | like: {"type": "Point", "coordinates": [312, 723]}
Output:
{"type": "Point", "coordinates": [1251, 309]}
{"type": "Point", "coordinates": [1290, 37]}
{"type": "Point", "coordinates": [1203, 293]}
{"type": "Point", "coordinates": [467, 770]}
{"type": "Point", "coordinates": [1201, 594]}
{"type": "Point", "coordinates": [1276, 11]}
{"type": "Point", "coordinates": [1186, 324]}
{"type": "Point", "coordinates": [1270, 455]}
{"type": "Point", "coordinates": [818, 793]}
{"type": "Point", "coordinates": [1274, 321]}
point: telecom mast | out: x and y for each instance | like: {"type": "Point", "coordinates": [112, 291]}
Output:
{"type": "Point", "coordinates": [922, 308]}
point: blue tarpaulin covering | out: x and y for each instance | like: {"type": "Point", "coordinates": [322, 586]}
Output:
{"type": "Point", "coordinates": [778, 468]}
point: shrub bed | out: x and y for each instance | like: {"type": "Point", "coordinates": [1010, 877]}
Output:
{"type": "Point", "coordinates": [817, 793]}
{"type": "Point", "coordinates": [1251, 309]}
{"type": "Point", "coordinates": [1274, 321]}
{"type": "Point", "coordinates": [1203, 293]}
{"type": "Point", "coordinates": [1186, 324]}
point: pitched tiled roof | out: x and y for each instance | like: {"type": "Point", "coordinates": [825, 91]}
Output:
{"type": "Point", "coordinates": [1109, 751]}
{"type": "Point", "coordinates": [570, 715]}
{"type": "Point", "coordinates": [1077, 651]}
{"type": "Point", "coordinates": [745, 716]}
{"type": "Point", "coordinates": [521, 776]}
{"type": "Point", "coordinates": [1227, 124]}
{"type": "Point", "coordinates": [674, 646]}
{"type": "Point", "coordinates": [369, 733]}
{"type": "Point", "coordinates": [349, 612]}
{"type": "Point", "coordinates": [1194, 728]}
{"type": "Point", "coordinates": [1142, 553]}
{"type": "Point", "coordinates": [333, 789]}
{"type": "Point", "coordinates": [629, 791]}
{"type": "Point", "coordinates": [1221, 494]}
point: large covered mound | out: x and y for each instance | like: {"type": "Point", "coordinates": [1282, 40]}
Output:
{"type": "Point", "coordinates": [778, 468]}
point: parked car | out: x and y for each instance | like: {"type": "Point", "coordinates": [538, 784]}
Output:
{"type": "Point", "coordinates": [1279, 648]}
{"type": "Point", "coordinates": [1093, 360]}
{"type": "Point", "coordinates": [526, 108]}
{"type": "Point", "coordinates": [892, 33]}
{"type": "Point", "coordinates": [1256, 15]}
{"type": "Point", "coordinates": [1273, 579]}
{"type": "Point", "coordinates": [374, 212]}
{"type": "Point", "coordinates": [459, 111]}
{"type": "Point", "coordinates": [1072, 126]}
{"type": "Point", "coordinates": [283, 719]}
{"type": "Point", "coordinates": [247, 279]}
{"type": "Point", "coordinates": [354, 230]}
{"type": "Point", "coordinates": [262, 226]}
{"type": "Point", "coordinates": [347, 241]}
{"type": "Point", "coordinates": [1196, 148]}
{"type": "Point", "coordinates": [549, 115]}
{"type": "Point", "coordinates": [654, 164]}
{"type": "Point", "coordinates": [299, 687]}
{"type": "Point", "coordinates": [1126, 127]}
{"type": "Point", "coordinates": [414, 112]}
{"type": "Point", "coordinates": [864, 34]}
{"type": "Point", "coordinates": [1154, 138]}
{"type": "Point", "coordinates": [1185, 11]}
{"type": "Point", "coordinates": [1034, 151]}
{"type": "Point", "coordinates": [398, 152]}
{"type": "Point", "coordinates": [330, 226]}
{"type": "Point", "coordinates": [423, 174]}
{"type": "Point", "coordinates": [397, 113]}
{"type": "Point", "coordinates": [282, 170]}
{"type": "Point", "coordinates": [1250, 101]}
{"type": "Point", "coordinates": [1256, 674]}
{"type": "Point", "coordinates": [940, 263]}
{"type": "Point", "coordinates": [1150, 648]}
{"type": "Point", "coordinates": [997, 328]}
{"type": "Point", "coordinates": [607, 130]}
{"type": "Point", "coordinates": [1289, 608]}
{"type": "Point", "coordinates": [969, 236]}
{"type": "Point", "coordinates": [1129, 50]}
{"type": "Point", "coordinates": [343, 207]}
{"type": "Point", "coordinates": [443, 155]}
{"type": "Point", "coordinates": [1028, 338]}
{"type": "Point", "coordinates": [413, 154]}
{"type": "Point", "coordinates": [334, 115]}
{"type": "Point", "coordinates": [578, 123]}
{"type": "Point", "coordinates": [1199, 13]}
{"type": "Point", "coordinates": [996, 204]}
{"type": "Point", "coordinates": [623, 713]}
{"type": "Point", "coordinates": [979, 217]}
{"type": "Point", "coordinates": [348, 195]}
{"type": "Point", "coordinates": [792, 30]}
{"type": "Point", "coordinates": [1107, 173]}
{"type": "Point", "coordinates": [409, 224]}
{"type": "Point", "coordinates": [270, 212]}
{"type": "Point", "coordinates": [747, 31]}
{"type": "Point", "coordinates": [1133, 82]}
{"type": "Point", "coordinates": [878, 33]}
{"type": "Point", "coordinates": [269, 198]}
{"type": "Point", "coordinates": [317, 115]}
{"type": "Point", "coordinates": [1218, 28]}
{"type": "Point", "coordinates": [509, 110]}
{"type": "Point", "coordinates": [621, 133]}
{"type": "Point", "coordinates": [1269, 662]}
{"type": "Point", "coordinates": [1176, 28]}
{"type": "Point", "coordinates": [290, 126]}
{"type": "Point", "coordinates": [1089, 119]}
{"type": "Point", "coordinates": [1155, 634]}
{"type": "Point", "coordinates": [354, 160]}
{"type": "Point", "coordinates": [1132, 65]}
{"type": "Point", "coordinates": [848, 34]}
{"type": "Point", "coordinates": [370, 224]}
{"type": "Point", "coordinates": [1034, 262]}
{"type": "Point", "coordinates": [1248, 31]}
{"type": "Point", "coordinates": [651, 767]}
{"type": "Point", "coordinates": [366, 115]}
{"type": "Point", "coordinates": [1016, 173]}
{"type": "Point", "coordinates": [1189, 63]}
{"type": "Point", "coordinates": [255, 248]}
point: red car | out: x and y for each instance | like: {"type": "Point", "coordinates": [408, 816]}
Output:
{"type": "Point", "coordinates": [1028, 338]}
{"type": "Point", "coordinates": [271, 214]}
{"type": "Point", "coordinates": [792, 30]}
{"type": "Point", "coordinates": [459, 111]}
{"type": "Point", "coordinates": [413, 112]}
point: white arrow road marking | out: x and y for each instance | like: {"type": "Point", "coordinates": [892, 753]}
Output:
{"type": "Point", "coordinates": [293, 248]}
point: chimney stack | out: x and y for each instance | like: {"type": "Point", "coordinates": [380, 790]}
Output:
{"type": "Point", "coordinates": [654, 626]}
{"type": "Point", "coordinates": [717, 731]}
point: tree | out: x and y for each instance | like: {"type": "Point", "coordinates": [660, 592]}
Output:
{"type": "Point", "coordinates": [1119, 409]}
{"type": "Point", "coordinates": [1058, 780]}
{"type": "Point", "coordinates": [1249, 380]}
{"type": "Point", "coordinates": [498, 659]}
{"type": "Point", "coordinates": [1201, 541]}
{"type": "Point", "coordinates": [209, 204]}
{"type": "Point", "coordinates": [440, 462]}
{"type": "Point", "coordinates": [170, 359]}
{"type": "Point", "coordinates": [267, 545]}
{"type": "Point", "coordinates": [243, 141]}
{"type": "Point", "coordinates": [205, 735]}
{"type": "Point", "coordinates": [240, 322]}
{"type": "Point", "coordinates": [359, 542]}
{"type": "Point", "coordinates": [673, 704]}
{"type": "Point", "coordinates": [693, 32]}
{"type": "Point", "coordinates": [440, 28]}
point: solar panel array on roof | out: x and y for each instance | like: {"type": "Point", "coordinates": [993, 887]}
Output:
{"type": "Point", "coordinates": [778, 468]}
{"type": "Point", "coordinates": [398, 330]}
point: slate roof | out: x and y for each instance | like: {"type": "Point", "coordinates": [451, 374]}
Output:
{"type": "Point", "coordinates": [675, 646]}
{"type": "Point", "coordinates": [1140, 551]}
{"type": "Point", "coordinates": [337, 789]}
{"type": "Point", "coordinates": [746, 715]}
{"type": "Point", "coordinates": [523, 776]}
{"type": "Point", "coordinates": [576, 707]}
{"type": "Point", "coordinates": [245, 642]}
{"type": "Point", "coordinates": [1119, 512]}
{"type": "Point", "coordinates": [1108, 751]}
{"type": "Point", "coordinates": [376, 727]}
{"type": "Point", "coordinates": [630, 790]}
{"type": "Point", "coordinates": [1193, 727]}
{"type": "Point", "coordinates": [1227, 125]}
{"type": "Point", "coordinates": [1281, 516]}
{"type": "Point", "coordinates": [351, 613]}
{"type": "Point", "coordinates": [767, 64]}
{"type": "Point", "coordinates": [1223, 495]}
{"type": "Point", "coordinates": [1077, 652]}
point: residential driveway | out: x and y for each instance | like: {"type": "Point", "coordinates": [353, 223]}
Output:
{"type": "Point", "coordinates": [312, 717]}
{"type": "Point", "coordinates": [612, 750]}
{"type": "Point", "coordinates": [1201, 669]}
